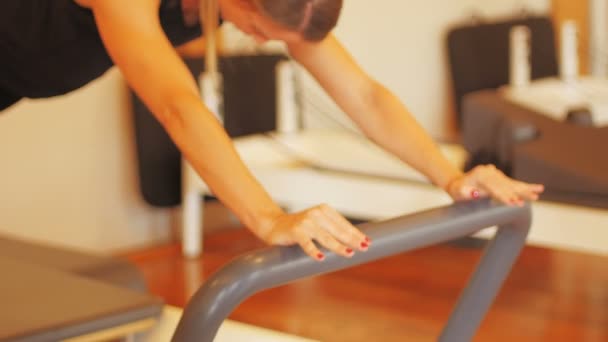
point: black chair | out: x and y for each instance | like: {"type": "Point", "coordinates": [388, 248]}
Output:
{"type": "Point", "coordinates": [479, 54]}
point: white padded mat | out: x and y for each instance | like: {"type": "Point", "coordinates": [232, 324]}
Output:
{"type": "Point", "coordinates": [335, 150]}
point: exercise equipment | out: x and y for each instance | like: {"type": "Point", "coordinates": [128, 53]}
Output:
{"type": "Point", "coordinates": [53, 294]}
{"type": "Point", "coordinates": [276, 266]}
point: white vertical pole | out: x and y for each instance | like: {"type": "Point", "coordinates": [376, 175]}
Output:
{"type": "Point", "coordinates": [192, 208]}
{"type": "Point", "coordinates": [569, 64]}
{"type": "Point", "coordinates": [192, 212]}
{"type": "Point", "coordinates": [287, 111]}
{"type": "Point", "coordinates": [598, 28]}
{"type": "Point", "coordinates": [519, 48]}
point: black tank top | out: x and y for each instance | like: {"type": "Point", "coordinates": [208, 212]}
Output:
{"type": "Point", "coordinates": [51, 47]}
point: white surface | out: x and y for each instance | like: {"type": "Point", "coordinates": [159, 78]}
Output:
{"type": "Point", "coordinates": [230, 331]}
{"type": "Point", "coordinates": [346, 151]}
{"type": "Point", "coordinates": [570, 227]}
{"type": "Point", "coordinates": [69, 172]}
{"type": "Point", "coordinates": [554, 98]}
{"type": "Point", "coordinates": [295, 186]}
{"type": "Point", "coordinates": [567, 227]}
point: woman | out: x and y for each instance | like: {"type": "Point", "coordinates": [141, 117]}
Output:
{"type": "Point", "coordinates": [52, 47]}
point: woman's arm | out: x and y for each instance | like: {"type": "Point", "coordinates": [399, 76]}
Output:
{"type": "Point", "coordinates": [134, 38]}
{"type": "Point", "coordinates": [385, 120]}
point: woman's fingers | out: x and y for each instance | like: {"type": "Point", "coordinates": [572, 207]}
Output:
{"type": "Point", "coordinates": [343, 230]}
{"type": "Point", "coordinates": [506, 193]}
{"type": "Point", "coordinates": [502, 194]}
{"type": "Point", "coordinates": [326, 240]}
{"type": "Point", "coordinates": [322, 225]}
{"type": "Point", "coordinates": [308, 246]}
{"type": "Point", "coordinates": [504, 189]}
{"type": "Point", "coordinates": [527, 191]}
{"type": "Point", "coordinates": [537, 188]}
{"type": "Point", "coordinates": [516, 191]}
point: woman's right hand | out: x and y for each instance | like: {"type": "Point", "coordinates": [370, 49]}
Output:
{"type": "Point", "coordinates": [322, 224]}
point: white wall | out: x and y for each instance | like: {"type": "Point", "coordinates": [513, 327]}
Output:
{"type": "Point", "coordinates": [402, 44]}
{"type": "Point", "coordinates": [68, 173]}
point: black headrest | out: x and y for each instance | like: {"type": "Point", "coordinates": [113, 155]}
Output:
{"type": "Point", "coordinates": [479, 54]}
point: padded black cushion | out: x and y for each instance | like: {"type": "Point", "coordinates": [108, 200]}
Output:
{"type": "Point", "coordinates": [479, 54]}
{"type": "Point", "coordinates": [249, 107]}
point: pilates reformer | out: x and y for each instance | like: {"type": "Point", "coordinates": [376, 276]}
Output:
{"type": "Point", "coordinates": [516, 113]}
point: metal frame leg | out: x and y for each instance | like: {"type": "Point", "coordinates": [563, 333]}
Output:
{"type": "Point", "coordinates": [192, 213]}
{"type": "Point", "coordinates": [484, 285]}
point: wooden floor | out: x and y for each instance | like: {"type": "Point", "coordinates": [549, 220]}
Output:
{"type": "Point", "coordinates": [550, 295]}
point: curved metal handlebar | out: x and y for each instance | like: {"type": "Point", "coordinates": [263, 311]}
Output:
{"type": "Point", "coordinates": [275, 266]}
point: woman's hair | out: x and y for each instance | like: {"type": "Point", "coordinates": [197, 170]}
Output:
{"type": "Point", "coordinates": [314, 19]}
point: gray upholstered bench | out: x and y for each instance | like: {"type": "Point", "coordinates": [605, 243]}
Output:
{"type": "Point", "coordinates": [52, 294]}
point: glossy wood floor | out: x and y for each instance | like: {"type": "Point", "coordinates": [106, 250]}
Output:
{"type": "Point", "coordinates": [550, 295]}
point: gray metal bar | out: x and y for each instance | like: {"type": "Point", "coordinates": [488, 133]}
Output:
{"type": "Point", "coordinates": [492, 270]}
{"type": "Point", "coordinates": [275, 266]}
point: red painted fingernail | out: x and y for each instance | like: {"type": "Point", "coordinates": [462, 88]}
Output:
{"type": "Point", "coordinates": [349, 250]}
{"type": "Point", "coordinates": [320, 256]}
{"type": "Point", "coordinates": [364, 245]}
{"type": "Point", "coordinates": [475, 194]}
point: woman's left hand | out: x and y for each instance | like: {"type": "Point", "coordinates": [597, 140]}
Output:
{"type": "Point", "coordinates": [488, 181]}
